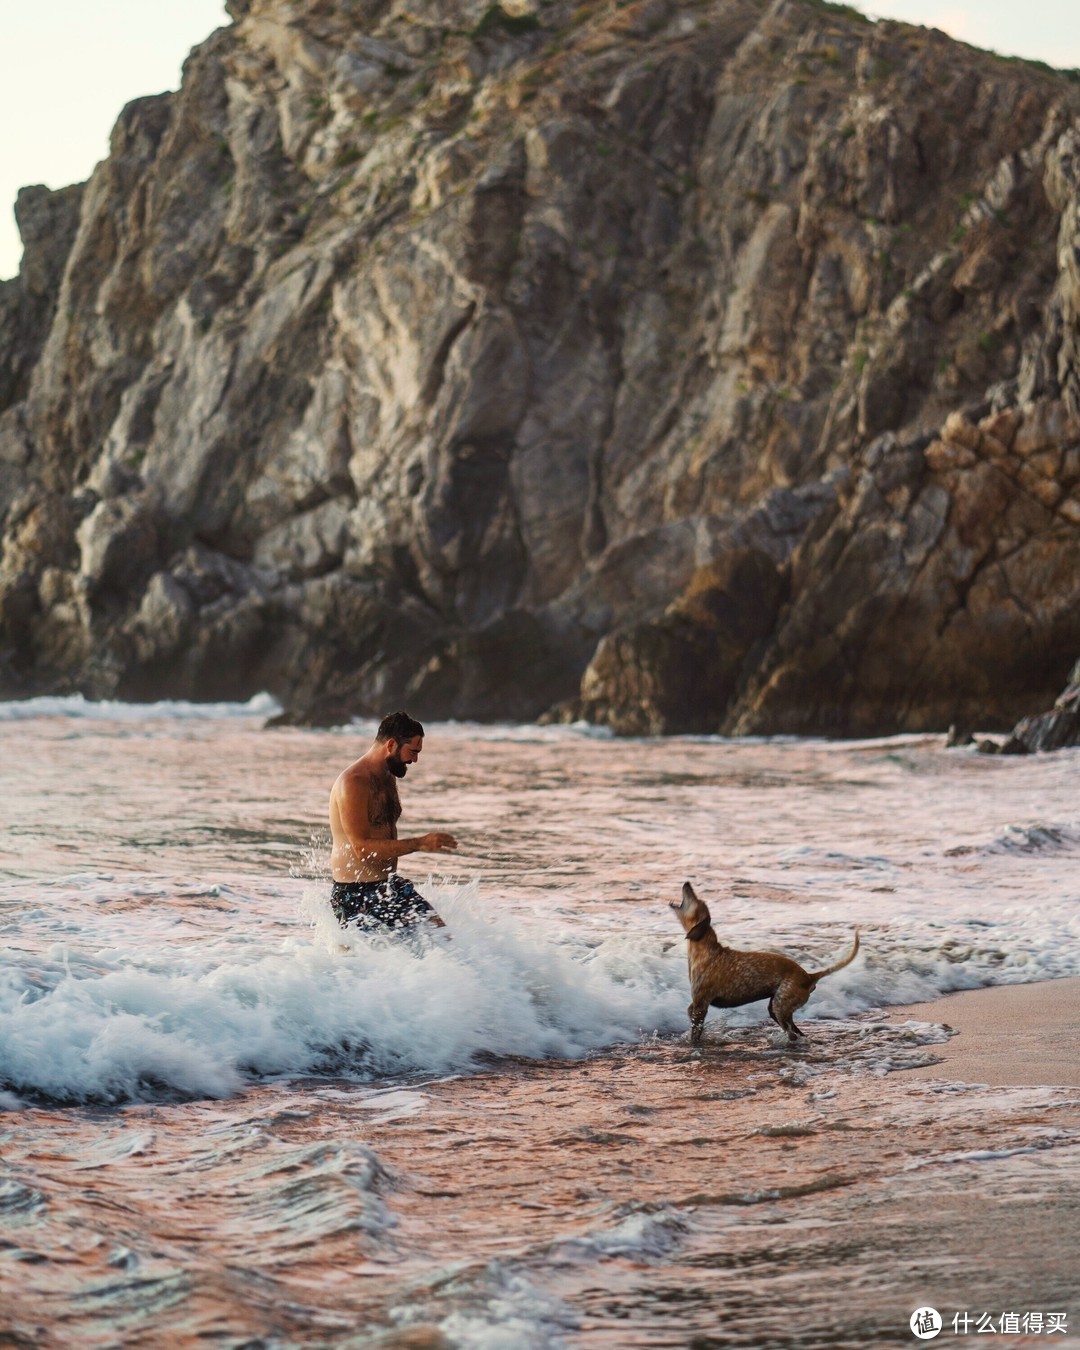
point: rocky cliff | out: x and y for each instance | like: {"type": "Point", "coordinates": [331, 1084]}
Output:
{"type": "Point", "coordinates": [680, 365]}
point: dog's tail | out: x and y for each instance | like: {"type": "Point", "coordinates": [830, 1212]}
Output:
{"type": "Point", "coordinates": [816, 975]}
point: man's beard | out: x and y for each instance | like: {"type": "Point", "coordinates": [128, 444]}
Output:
{"type": "Point", "coordinates": [396, 766]}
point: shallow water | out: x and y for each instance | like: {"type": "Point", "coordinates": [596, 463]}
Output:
{"type": "Point", "coordinates": [224, 1124]}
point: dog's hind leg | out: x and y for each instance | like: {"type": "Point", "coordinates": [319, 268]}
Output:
{"type": "Point", "coordinates": [785, 1002]}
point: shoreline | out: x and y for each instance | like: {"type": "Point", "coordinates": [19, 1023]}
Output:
{"type": "Point", "coordinates": [1007, 1035]}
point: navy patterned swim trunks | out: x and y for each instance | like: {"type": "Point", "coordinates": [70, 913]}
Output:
{"type": "Point", "coordinates": [393, 903]}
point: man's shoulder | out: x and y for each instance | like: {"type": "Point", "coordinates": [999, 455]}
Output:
{"type": "Point", "coordinates": [356, 775]}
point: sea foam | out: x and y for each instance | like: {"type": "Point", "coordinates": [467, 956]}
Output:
{"type": "Point", "coordinates": [200, 1019]}
{"type": "Point", "coordinates": [175, 998]}
{"type": "Point", "coordinates": [109, 710]}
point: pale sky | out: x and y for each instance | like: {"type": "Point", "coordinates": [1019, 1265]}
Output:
{"type": "Point", "coordinates": [67, 67]}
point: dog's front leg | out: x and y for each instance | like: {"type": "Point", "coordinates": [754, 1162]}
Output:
{"type": "Point", "coordinates": [696, 1012]}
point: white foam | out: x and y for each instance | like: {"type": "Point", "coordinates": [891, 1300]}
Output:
{"type": "Point", "coordinates": [524, 733]}
{"type": "Point", "coordinates": [1047, 1140]}
{"type": "Point", "coordinates": [199, 1019]}
{"type": "Point", "coordinates": [501, 1308]}
{"type": "Point", "coordinates": [1034, 838]}
{"type": "Point", "coordinates": [641, 1235]}
{"type": "Point", "coordinates": [98, 1001]}
{"type": "Point", "coordinates": [108, 710]}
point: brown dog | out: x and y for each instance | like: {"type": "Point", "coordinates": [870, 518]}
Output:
{"type": "Point", "coordinates": [721, 977]}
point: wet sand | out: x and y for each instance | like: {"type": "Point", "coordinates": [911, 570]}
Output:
{"type": "Point", "coordinates": [1008, 1035]}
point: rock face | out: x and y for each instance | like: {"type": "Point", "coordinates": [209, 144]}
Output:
{"type": "Point", "coordinates": [1053, 730]}
{"type": "Point", "coordinates": [946, 584]}
{"type": "Point", "coordinates": [687, 367]}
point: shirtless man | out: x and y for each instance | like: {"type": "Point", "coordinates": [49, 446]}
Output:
{"type": "Point", "coordinates": [364, 811]}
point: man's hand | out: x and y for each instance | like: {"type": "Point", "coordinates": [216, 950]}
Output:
{"type": "Point", "coordinates": [437, 842]}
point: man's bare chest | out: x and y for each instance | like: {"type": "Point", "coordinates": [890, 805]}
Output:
{"type": "Point", "coordinates": [384, 806]}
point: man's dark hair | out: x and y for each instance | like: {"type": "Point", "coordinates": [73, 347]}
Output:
{"type": "Point", "coordinates": [398, 727]}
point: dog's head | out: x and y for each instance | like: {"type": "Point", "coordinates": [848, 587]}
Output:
{"type": "Point", "coordinates": [693, 913]}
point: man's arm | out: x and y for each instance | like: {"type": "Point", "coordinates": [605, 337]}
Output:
{"type": "Point", "coordinates": [355, 821]}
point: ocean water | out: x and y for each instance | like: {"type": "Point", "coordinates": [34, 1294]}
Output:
{"type": "Point", "coordinates": [225, 1121]}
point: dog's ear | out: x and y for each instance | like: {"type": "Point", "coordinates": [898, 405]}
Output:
{"type": "Point", "coordinates": [699, 930]}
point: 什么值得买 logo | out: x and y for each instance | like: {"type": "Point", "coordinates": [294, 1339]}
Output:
{"type": "Point", "coordinates": [925, 1323]}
